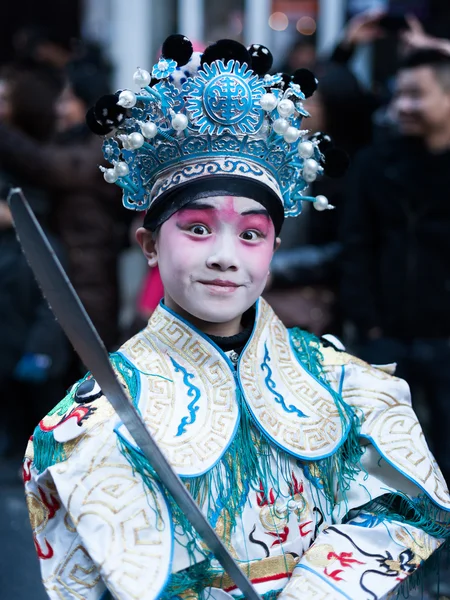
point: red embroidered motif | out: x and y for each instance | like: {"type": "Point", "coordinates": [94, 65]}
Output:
{"type": "Point", "coordinates": [334, 574]}
{"type": "Point", "coordinates": [345, 558]}
{"type": "Point", "coordinates": [52, 505]}
{"type": "Point", "coordinates": [281, 537]}
{"type": "Point", "coordinates": [261, 497]}
{"type": "Point", "coordinates": [26, 474]}
{"type": "Point", "coordinates": [41, 554]}
{"type": "Point", "coordinates": [302, 526]}
{"type": "Point", "coordinates": [276, 577]}
{"type": "Point", "coordinates": [295, 487]}
{"type": "Point", "coordinates": [78, 413]}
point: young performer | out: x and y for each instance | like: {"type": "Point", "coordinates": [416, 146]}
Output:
{"type": "Point", "coordinates": [309, 463]}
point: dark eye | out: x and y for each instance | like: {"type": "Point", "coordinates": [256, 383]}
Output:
{"type": "Point", "coordinates": [250, 235]}
{"type": "Point", "coordinates": [199, 230]}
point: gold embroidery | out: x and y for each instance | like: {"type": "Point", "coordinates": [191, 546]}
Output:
{"type": "Point", "coordinates": [267, 567]}
{"type": "Point", "coordinates": [163, 403]}
{"type": "Point", "coordinates": [419, 543]}
{"type": "Point", "coordinates": [320, 430]}
{"type": "Point", "coordinates": [38, 513]}
{"type": "Point", "coordinates": [317, 555]}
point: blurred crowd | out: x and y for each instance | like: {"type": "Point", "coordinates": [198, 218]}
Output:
{"type": "Point", "coordinates": [374, 272]}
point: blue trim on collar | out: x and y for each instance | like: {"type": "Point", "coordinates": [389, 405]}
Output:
{"type": "Point", "coordinates": [255, 420]}
{"type": "Point", "coordinates": [397, 468]}
{"type": "Point", "coordinates": [208, 339]}
{"type": "Point", "coordinates": [233, 373]}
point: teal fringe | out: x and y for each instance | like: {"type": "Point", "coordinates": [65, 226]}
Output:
{"type": "Point", "coordinates": [194, 579]}
{"type": "Point", "coordinates": [47, 451]}
{"type": "Point", "coordinates": [419, 512]}
{"type": "Point", "coordinates": [246, 466]}
{"type": "Point", "coordinates": [225, 488]}
{"type": "Point", "coordinates": [339, 470]}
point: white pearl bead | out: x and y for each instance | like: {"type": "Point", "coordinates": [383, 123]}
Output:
{"type": "Point", "coordinates": [309, 176]}
{"type": "Point", "coordinates": [135, 140]}
{"type": "Point", "coordinates": [285, 108]}
{"type": "Point", "coordinates": [280, 126]}
{"type": "Point", "coordinates": [141, 77]}
{"type": "Point", "coordinates": [179, 122]}
{"type": "Point", "coordinates": [292, 134]}
{"type": "Point", "coordinates": [306, 149]}
{"type": "Point", "coordinates": [268, 102]}
{"type": "Point", "coordinates": [121, 168]}
{"type": "Point", "coordinates": [321, 203]}
{"type": "Point", "coordinates": [127, 99]}
{"type": "Point", "coordinates": [149, 129]}
{"type": "Point", "coordinates": [311, 165]}
{"type": "Point", "coordinates": [110, 176]}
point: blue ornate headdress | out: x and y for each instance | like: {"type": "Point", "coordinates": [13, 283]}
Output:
{"type": "Point", "coordinates": [219, 118]}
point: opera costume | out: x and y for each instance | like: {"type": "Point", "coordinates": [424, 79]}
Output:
{"type": "Point", "coordinates": [309, 463]}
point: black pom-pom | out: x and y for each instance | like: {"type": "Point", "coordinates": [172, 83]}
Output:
{"type": "Point", "coordinates": [324, 141]}
{"type": "Point", "coordinates": [179, 48]}
{"type": "Point", "coordinates": [262, 59]}
{"type": "Point", "coordinates": [94, 125]}
{"type": "Point", "coordinates": [336, 162]}
{"type": "Point", "coordinates": [306, 80]}
{"type": "Point", "coordinates": [108, 112]}
{"type": "Point", "coordinates": [226, 50]}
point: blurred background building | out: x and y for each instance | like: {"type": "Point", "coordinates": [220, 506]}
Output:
{"type": "Point", "coordinates": [138, 27]}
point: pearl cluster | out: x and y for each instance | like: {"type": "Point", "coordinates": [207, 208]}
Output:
{"type": "Point", "coordinates": [120, 169]}
{"type": "Point", "coordinates": [306, 149]}
{"type": "Point", "coordinates": [271, 101]}
{"type": "Point", "coordinates": [149, 129]}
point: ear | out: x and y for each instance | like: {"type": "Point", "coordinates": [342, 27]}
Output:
{"type": "Point", "coordinates": [147, 242]}
{"type": "Point", "coordinates": [277, 244]}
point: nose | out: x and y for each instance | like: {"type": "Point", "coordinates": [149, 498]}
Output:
{"type": "Point", "coordinates": [404, 106]}
{"type": "Point", "coordinates": [223, 256]}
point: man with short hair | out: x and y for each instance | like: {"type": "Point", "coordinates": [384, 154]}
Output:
{"type": "Point", "coordinates": [396, 236]}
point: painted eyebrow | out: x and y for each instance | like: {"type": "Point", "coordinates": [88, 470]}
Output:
{"type": "Point", "coordinates": [198, 205]}
{"type": "Point", "coordinates": [262, 211]}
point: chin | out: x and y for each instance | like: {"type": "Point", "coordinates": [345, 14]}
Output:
{"type": "Point", "coordinates": [214, 314]}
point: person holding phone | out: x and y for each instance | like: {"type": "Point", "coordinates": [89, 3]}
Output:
{"type": "Point", "coordinates": [396, 237]}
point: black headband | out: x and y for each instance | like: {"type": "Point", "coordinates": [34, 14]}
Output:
{"type": "Point", "coordinates": [175, 199]}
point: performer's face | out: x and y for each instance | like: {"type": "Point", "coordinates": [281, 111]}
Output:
{"type": "Point", "coordinates": [214, 257]}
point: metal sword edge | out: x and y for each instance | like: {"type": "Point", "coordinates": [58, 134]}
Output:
{"type": "Point", "coordinates": [81, 332]}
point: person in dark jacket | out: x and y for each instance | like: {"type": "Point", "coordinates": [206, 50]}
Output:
{"type": "Point", "coordinates": [85, 211]}
{"type": "Point", "coordinates": [304, 270]}
{"type": "Point", "coordinates": [33, 348]}
{"type": "Point", "coordinates": [396, 236]}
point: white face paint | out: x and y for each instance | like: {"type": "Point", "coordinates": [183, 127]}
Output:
{"type": "Point", "coordinates": [214, 257]}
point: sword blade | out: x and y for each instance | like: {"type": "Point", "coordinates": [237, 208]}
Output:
{"type": "Point", "coordinates": [82, 334]}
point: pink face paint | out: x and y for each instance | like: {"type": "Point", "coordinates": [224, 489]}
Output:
{"type": "Point", "coordinates": [218, 280]}
{"type": "Point", "coordinates": [261, 223]}
{"type": "Point", "coordinates": [189, 216]}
